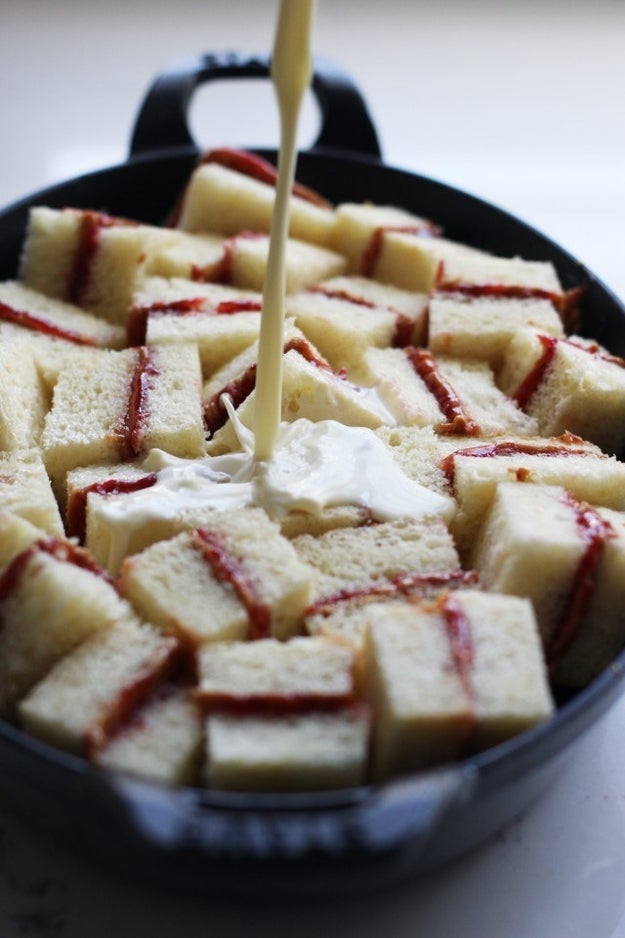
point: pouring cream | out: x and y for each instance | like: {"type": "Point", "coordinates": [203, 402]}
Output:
{"type": "Point", "coordinates": [282, 467]}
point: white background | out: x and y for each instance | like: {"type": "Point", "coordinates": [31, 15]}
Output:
{"type": "Point", "coordinates": [521, 103]}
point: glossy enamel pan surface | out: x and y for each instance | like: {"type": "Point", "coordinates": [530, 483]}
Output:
{"type": "Point", "coordinates": [205, 842]}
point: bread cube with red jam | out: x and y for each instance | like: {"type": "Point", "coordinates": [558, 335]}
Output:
{"type": "Point", "coordinates": [361, 229]}
{"type": "Point", "coordinates": [117, 405]}
{"type": "Point", "coordinates": [94, 690]}
{"type": "Point", "coordinates": [86, 258]}
{"type": "Point", "coordinates": [343, 321]}
{"type": "Point", "coordinates": [450, 677]}
{"type": "Point", "coordinates": [97, 261]}
{"type": "Point", "coordinates": [51, 323]}
{"type": "Point", "coordinates": [568, 384]}
{"type": "Point", "coordinates": [221, 320]}
{"type": "Point", "coordinates": [233, 579]}
{"type": "Point", "coordinates": [310, 389]}
{"type": "Point", "coordinates": [23, 397]}
{"type": "Point", "coordinates": [371, 566]}
{"type": "Point", "coordinates": [353, 559]}
{"type": "Point", "coordinates": [52, 596]}
{"type": "Point", "coordinates": [305, 264]}
{"type": "Point", "coordinates": [25, 490]}
{"type": "Point", "coordinates": [161, 741]}
{"type": "Point", "coordinates": [233, 191]}
{"type": "Point", "coordinates": [457, 396]}
{"type": "Point", "coordinates": [269, 676]}
{"type": "Point", "coordinates": [473, 470]}
{"type": "Point", "coordinates": [481, 326]}
{"type": "Point", "coordinates": [309, 751]}
{"type": "Point", "coordinates": [568, 558]}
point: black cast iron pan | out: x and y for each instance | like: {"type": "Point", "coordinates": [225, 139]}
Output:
{"type": "Point", "coordinates": [204, 841]}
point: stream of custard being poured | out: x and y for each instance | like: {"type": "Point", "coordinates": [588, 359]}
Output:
{"type": "Point", "coordinates": [282, 467]}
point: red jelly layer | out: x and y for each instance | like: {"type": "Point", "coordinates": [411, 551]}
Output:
{"type": "Point", "coordinates": [404, 584]}
{"type": "Point", "coordinates": [39, 324]}
{"type": "Point", "coordinates": [77, 504]}
{"type": "Point", "coordinates": [497, 290]}
{"type": "Point", "coordinates": [91, 224]}
{"type": "Point", "coordinates": [534, 378]}
{"type": "Point", "coordinates": [594, 531]}
{"type": "Point", "coordinates": [230, 570]}
{"type": "Point", "coordinates": [513, 448]}
{"type": "Point", "coordinates": [272, 704]}
{"type": "Point", "coordinates": [132, 428]}
{"type": "Point", "coordinates": [460, 639]}
{"type": "Point", "coordinates": [241, 161]}
{"type": "Point", "coordinates": [566, 303]}
{"type": "Point", "coordinates": [457, 421]}
{"type": "Point", "coordinates": [231, 307]}
{"type": "Point", "coordinates": [119, 710]}
{"type": "Point", "coordinates": [215, 414]}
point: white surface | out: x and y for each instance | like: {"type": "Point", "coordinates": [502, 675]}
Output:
{"type": "Point", "coordinates": [519, 103]}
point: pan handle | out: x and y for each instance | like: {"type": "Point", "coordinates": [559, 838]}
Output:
{"type": "Point", "coordinates": [162, 122]}
{"type": "Point", "coordinates": [380, 830]}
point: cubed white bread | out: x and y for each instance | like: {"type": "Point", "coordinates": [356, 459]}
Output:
{"type": "Point", "coordinates": [482, 326]}
{"type": "Point", "coordinates": [222, 328]}
{"type": "Point", "coordinates": [51, 600]}
{"type": "Point", "coordinates": [356, 224]}
{"type": "Point", "coordinates": [406, 303]}
{"type": "Point", "coordinates": [237, 377]}
{"type": "Point", "coordinates": [177, 254]}
{"type": "Point", "coordinates": [59, 322]}
{"type": "Point", "coordinates": [101, 279]}
{"type": "Point", "coordinates": [111, 540]}
{"type": "Point", "coordinates": [342, 615]}
{"type": "Point", "coordinates": [343, 330]}
{"type": "Point", "coordinates": [348, 558]}
{"type": "Point", "coordinates": [474, 471]}
{"type": "Point", "coordinates": [489, 270]}
{"type": "Point", "coordinates": [315, 393]}
{"type": "Point", "coordinates": [417, 452]}
{"type": "Point", "coordinates": [581, 389]}
{"type": "Point", "coordinates": [94, 689]}
{"type": "Point", "coordinates": [162, 743]}
{"type": "Point", "coordinates": [18, 535]}
{"type": "Point", "coordinates": [452, 395]}
{"type": "Point", "coordinates": [301, 752]}
{"type": "Point", "coordinates": [106, 481]}
{"type": "Point", "coordinates": [414, 262]}
{"type": "Point", "coordinates": [431, 706]}
{"type": "Point", "coordinates": [49, 249]}
{"type": "Point", "coordinates": [601, 636]}
{"type": "Point", "coordinates": [157, 291]}
{"type": "Point", "coordinates": [23, 398]}
{"type": "Point", "coordinates": [241, 370]}
{"type": "Point", "coordinates": [532, 544]}
{"type": "Point", "coordinates": [296, 523]}
{"type": "Point", "coordinates": [222, 200]}
{"type": "Point", "coordinates": [305, 264]}
{"type": "Point", "coordinates": [236, 578]}
{"type": "Point", "coordinates": [423, 714]}
{"type": "Point", "coordinates": [274, 676]}
{"type": "Point", "coordinates": [25, 490]}
{"type": "Point", "coordinates": [91, 420]}
{"type": "Point", "coordinates": [509, 679]}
